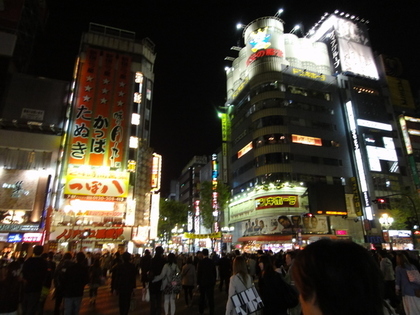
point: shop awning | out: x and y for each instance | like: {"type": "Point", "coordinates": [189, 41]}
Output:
{"type": "Point", "coordinates": [282, 238]}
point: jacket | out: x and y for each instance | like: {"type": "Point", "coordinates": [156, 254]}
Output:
{"type": "Point", "coordinates": [188, 275]}
{"type": "Point", "coordinates": [236, 285]}
{"type": "Point", "coordinates": [166, 275]}
{"type": "Point", "coordinates": [74, 280]}
{"type": "Point", "coordinates": [206, 272]}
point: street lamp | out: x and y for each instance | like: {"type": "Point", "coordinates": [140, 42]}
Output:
{"type": "Point", "coordinates": [386, 221]}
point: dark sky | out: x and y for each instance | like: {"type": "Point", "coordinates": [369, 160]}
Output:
{"type": "Point", "coordinates": [192, 39]}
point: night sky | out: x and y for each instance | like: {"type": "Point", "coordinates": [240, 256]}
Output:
{"type": "Point", "coordinates": [192, 39]}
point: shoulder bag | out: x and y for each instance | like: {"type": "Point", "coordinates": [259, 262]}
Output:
{"type": "Point", "coordinates": [247, 301]}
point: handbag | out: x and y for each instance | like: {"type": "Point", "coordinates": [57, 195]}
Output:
{"type": "Point", "coordinates": [145, 296]}
{"type": "Point", "coordinates": [247, 301]}
{"type": "Point", "coordinates": [413, 276]}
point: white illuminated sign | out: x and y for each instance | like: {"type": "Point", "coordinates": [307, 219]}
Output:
{"type": "Point", "coordinates": [405, 134]}
{"type": "Point", "coordinates": [376, 154]}
{"type": "Point", "coordinates": [135, 119]}
{"type": "Point", "coordinates": [32, 237]}
{"type": "Point", "coordinates": [374, 125]}
{"type": "Point", "coordinates": [359, 161]}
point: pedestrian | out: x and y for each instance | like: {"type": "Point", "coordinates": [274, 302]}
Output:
{"type": "Point", "coordinates": [289, 259]}
{"type": "Point", "coordinates": [338, 277]}
{"type": "Point", "coordinates": [58, 281]}
{"type": "Point", "coordinates": [387, 269]}
{"type": "Point", "coordinates": [156, 266]}
{"type": "Point", "coordinates": [170, 269]}
{"type": "Point", "coordinates": [206, 280]}
{"type": "Point", "coordinates": [106, 261]}
{"type": "Point", "coordinates": [116, 261]}
{"type": "Point", "coordinates": [75, 278]}
{"type": "Point", "coordinates": [252, 265]}
{"type": "Point", "coordinates": [11, 290]}
{"type": "Point", "coordinates": [145, 266]}
{"type": "Point", "coordinates": [225, 271]}
{"type": "Point", "coordinates": [49, 257]}
{"type": "Point", "coordinates": [125, 276]}
{"type": "Point", "coordinates": [272, 288]}
{"type": "Point", "coordinates": [239, 281]}
{"type": "Point", "coordinates": [95, 275]}
{"type": "Point", "coordinates": [188, 280]}
{"type": "Point", "coordinates": [404, 287]}
{"type": "Point", "coordinates": [34, 273]}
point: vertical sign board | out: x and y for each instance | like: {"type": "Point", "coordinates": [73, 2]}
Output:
{"type": "Point", "coordinates": [101, 108]}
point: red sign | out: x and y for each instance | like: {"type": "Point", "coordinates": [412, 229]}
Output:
{"type": "Point", "coordinates": [264, 52]}
{"type": "Point", "coordinates": [112, 233]}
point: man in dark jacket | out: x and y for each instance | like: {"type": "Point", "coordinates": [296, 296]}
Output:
{"type": "Point", "coordinates": [156, 266]}
{"type": "Point", "coordinates": [75, 277]}
{"type": "Point", "coordinates": [34, 273]}
{"type": "Point", "coordinates": [125, 275]}
{"type": "Point", "coordinates": [206, 280]}
{"type": "Point", "coordinates": [225, 271]}
{"type": "Point", "coordinates": [145, 266]}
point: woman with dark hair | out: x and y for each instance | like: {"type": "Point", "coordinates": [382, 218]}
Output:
{"type": "Point", "coordinates": [336, 277]}
{"type": "Point", "coordinates": [188, 279]}
{"type": "Point", "coordinates": [273, 289]}
{"type": "Point", "coordinates": [239, 282]}
{"type": "Point", "coordinates": [404, 287]}
{"type": "Point", "coordinates": [169, 270]}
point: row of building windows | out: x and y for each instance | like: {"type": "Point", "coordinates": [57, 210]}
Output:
{"type": "Point", "coordinates": [278, 102]}
{"type": "Point", "coordinates": [277, 86]}
{"type": "Point", "coordinates": [278, 120]}
{"type": "Point", "coordinates": [281, 138]}
{"type": "Point", "coordinates": [285, 158]}
{"type": "Point", "coordinates": [285, 177]}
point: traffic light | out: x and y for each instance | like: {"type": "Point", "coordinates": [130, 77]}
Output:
{"type": "Point", "coordinates": [381, 200]}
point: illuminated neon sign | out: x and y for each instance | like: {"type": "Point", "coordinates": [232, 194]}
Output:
{"type": "Point", "coordinates": [308, 74]}
{"type": "Point", "coordinates": [244, 150]}
{"type": "Point", "coordinates": [307, 140]}
{"type": "Point", "coordinates": [272, 52]}
{"type": "Point", "coordinates": [277, 201]}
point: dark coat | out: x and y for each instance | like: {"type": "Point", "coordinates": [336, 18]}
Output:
{"type": "Point", "coordinates": [75, 277]}
{"type": "Point", "coordinates": [272, 291]}
{"type": "Point", "coordinates": [126, 274]}
{"type": "Point", "coordinates": [206, 272]}
{"type": "Point", "coordinates": [156, 266]}
{"type": "Point", "coordinates": [34, 273]}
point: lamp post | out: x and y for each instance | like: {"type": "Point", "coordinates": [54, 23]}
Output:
{"type": "Point", "coordinates": [414, 209]}
{"type": "Point", "coordinates": [386, 221]}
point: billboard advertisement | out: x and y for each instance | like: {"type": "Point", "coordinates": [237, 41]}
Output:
{"type": "Point", "coordinates": [101, 110]}
{"type": "Point", "coordinates": [349, 46]}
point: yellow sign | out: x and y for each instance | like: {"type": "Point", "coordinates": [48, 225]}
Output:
{"type": "Point", "coordinates": [308, 74]}
{"type": "Point", "coordinates": [89, 182]}
{"type": "Point", "coordinates": [400, 92]}
{"type": "Point", "coordinates": [200, 236]}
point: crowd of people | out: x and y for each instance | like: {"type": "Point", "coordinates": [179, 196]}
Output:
{"type": "Point", "coordinates": [329, 277]}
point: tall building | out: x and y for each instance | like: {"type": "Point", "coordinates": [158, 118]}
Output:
{"type": "Point", "coordinates": [110, 177]}
{"type": "Point", "coordinates": [307, 133]}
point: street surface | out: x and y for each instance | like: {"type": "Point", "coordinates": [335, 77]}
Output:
{"type": "Point", "coordinates": [106, 303]}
